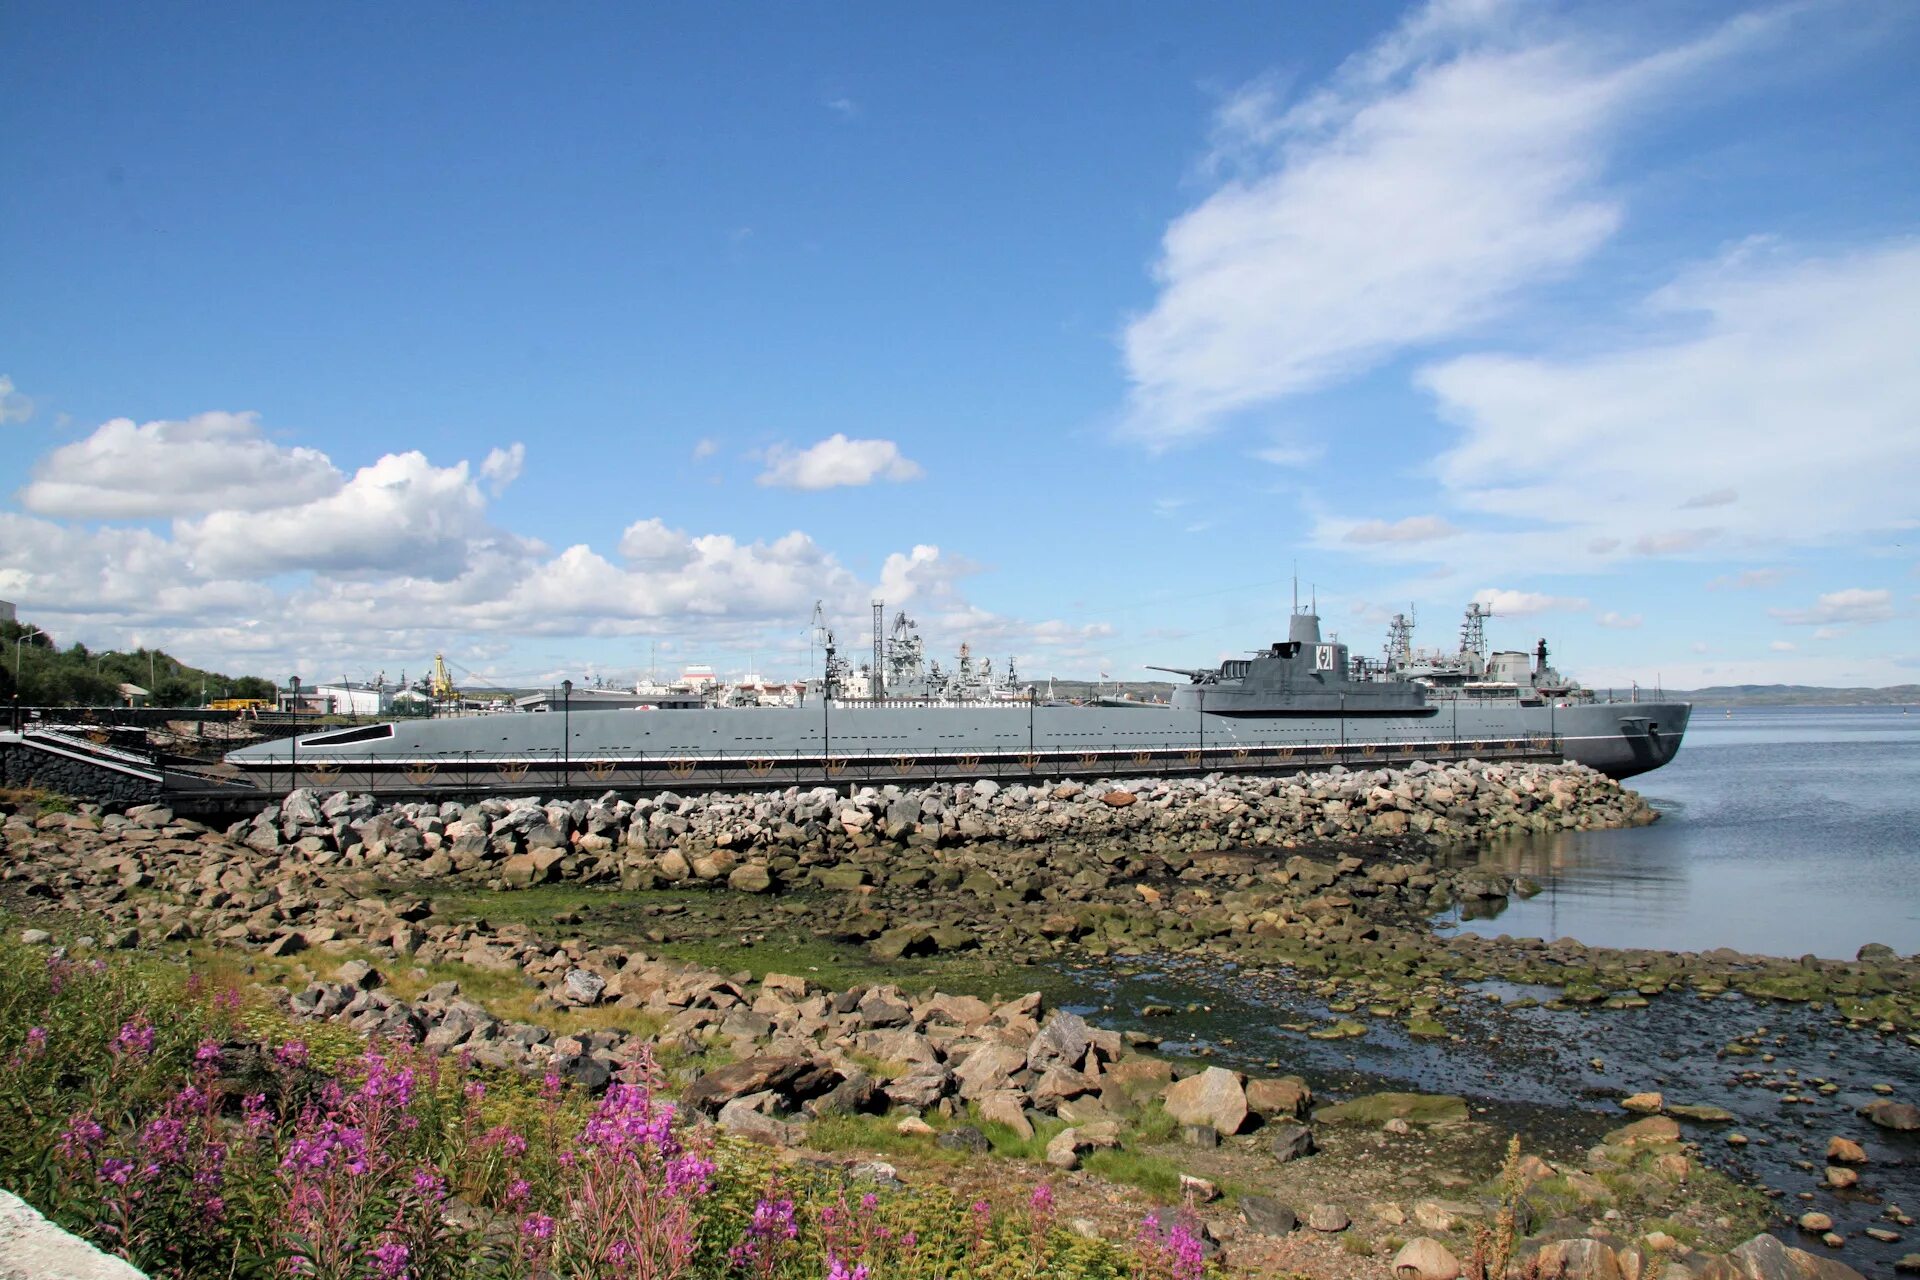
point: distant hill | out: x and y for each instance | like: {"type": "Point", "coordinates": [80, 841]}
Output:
{"type": "Point", "coordinates": [1799, 695]}
{"type": "Point", "coordinates": [41, 673]}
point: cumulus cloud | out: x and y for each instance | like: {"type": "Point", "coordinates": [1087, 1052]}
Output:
{"type": "Point", "coordinates": [402, 512]}
{"type": "Point", "coordinates": [209, 462]}
{"type": "Point", "coordinates": [837, 462]}
{"type": "Point", "coordinates": [1437, 175]}
{"type": "Point", "coordinates": [502, 467]}
{"type": "Point", "coordinates": [14, 407]}
{"type": "Point", "coordinates": [1517, 604]}
{"type": "Point", "coordinates": [400, 559]}
{"type": "Point", "coordinates": [1854, 604]}
{"type": "Point", "coordinates": [1411, 529]}
{"type": "Point", "coordinates": [705, 448]}
{"type": "Point", "coordinates": [1783, 646]}
{"type": "Point", "coordinates": [1619, 621]}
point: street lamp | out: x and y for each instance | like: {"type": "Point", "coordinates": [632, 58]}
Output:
{"type": "Point", "coordinates": [566, 734]}
{"type": "Point", "coordinates": [30, 631]}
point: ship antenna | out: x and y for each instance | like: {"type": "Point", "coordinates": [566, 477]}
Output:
{"type": "Point", "coordinates": [1296, 586]}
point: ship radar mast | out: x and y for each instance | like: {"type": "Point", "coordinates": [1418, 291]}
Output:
{"type": "Point", "coordinates": [1400, 640]}
{"type": "Point", "coordinates": [1473, 630]}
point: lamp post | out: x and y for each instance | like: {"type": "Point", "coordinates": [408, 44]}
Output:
{"type": "Point", "coordinates": [566, 734]}
{"type": "Point", "coordinates": [293, 743]}
{"type": "Point", "coordinates": [16, 663]}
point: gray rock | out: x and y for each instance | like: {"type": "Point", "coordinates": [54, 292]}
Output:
{"type": "Point", "coordinates": [1291, 1142]}
{"type": "Point", "coordinates": [1267, 1216]}
{"type": "Point", "coordinates": [582, 987]}
{"type": "Point", "coordinates": [963, 1138]}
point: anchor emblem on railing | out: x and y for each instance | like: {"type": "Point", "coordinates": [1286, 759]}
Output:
{"type": "Point", "coordinates": [514, 770]}
{"type": "Point", "coordinates": [599, 770]}
{"type": "Point", "coordinates": [681, 767]}
{"type": "Point", "coordinates": [904, 764]}
{"type": "Point", "coordinates": [323, 771]}
{"type": "Point", "coordinates": [421, 772]}
{"type": "Point", "coordinates": [760, 768]}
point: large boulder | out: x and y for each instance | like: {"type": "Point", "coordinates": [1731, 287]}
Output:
{"type": "Point", "coordinates": [1425, 1259]}
{"type": "Point", "coordinates": [782, 1074]}
{"type": "Point", "coordinates": [1888, 1114]}
{"type": "Point", "coordinates": [1213, 1098]}
{"type": "Point", "coordinates": [1287, 1096]}
{"type": "Point", "coordinates": [1766, 1258]}
{"type": "Point", "coordinates": [1579, 1259]}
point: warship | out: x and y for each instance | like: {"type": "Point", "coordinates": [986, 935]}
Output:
{"type": "Point", "coordinates": [1298, 703]}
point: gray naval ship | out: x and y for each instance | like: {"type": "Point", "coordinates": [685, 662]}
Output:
{"type": "Point", "coordinates": [1298, 703]}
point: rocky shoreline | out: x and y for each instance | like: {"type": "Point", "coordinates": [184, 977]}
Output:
{"type": "Point", "coordinates": [1327, 875]}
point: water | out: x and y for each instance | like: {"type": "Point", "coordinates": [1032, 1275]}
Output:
{"type": "Point", "coordinates": [1783, 831]}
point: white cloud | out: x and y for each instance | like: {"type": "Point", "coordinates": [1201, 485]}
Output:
{"type": "Point", "coordinates": [209, 462]}
{"type": "Point", "coordinates": [836, 462]}
{"type": "Point", "coordinates": [1717, 498]}
{"type": "Point", "coordinates": [1701, 646]}
{"type": "Point", "coordinates": [502, 467]}
{"type": "Point", "coordinates": [14, 407]}
{"type": "Point", "coordinates": [1855, 604]}
{"type": "Point", "coordinates": [1790, 381]}
{"type": "Point", "coordinates": [1783, 646]}
{"type": "Point", "coordinates": [1411, 529]}
{"type": "Point", "coordinates": [1518, 604]}
{"type": "Point", "coordinates": [1439, 174]}
{"type": "Point", "coordinates": [402, 512]}
{"type": "Point", "coordinates": [844, 107]}
{"type": "Point", "coordinates": [705, 448]}
{"type": "Point", "coordinates": [1619, 621]}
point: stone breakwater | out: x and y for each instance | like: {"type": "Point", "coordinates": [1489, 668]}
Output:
{"type": "Point", "coordinates": [770, 1057]}
{"type": "Point", "coordinates": [762, 840]}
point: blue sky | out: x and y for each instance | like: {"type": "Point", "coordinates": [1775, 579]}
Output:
{"type": "Point", "coordinates": [332, 338]}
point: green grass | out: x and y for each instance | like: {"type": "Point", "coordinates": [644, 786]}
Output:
{"type": "Point", "coordinates": [1156, 1175]}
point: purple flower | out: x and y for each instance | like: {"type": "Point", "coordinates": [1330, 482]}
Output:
{"type": "Point", "coordinates": [80, 1136]}
{"type": "Point", "coordinates": [164, 1139]}
{"type": "Point", "coordinates": [135, 1039]}
{"type": "Point", "coordinates": [429, 1184]}
{"type": "Point", "coordinates": [536, 1226]}
{"type": "Point", "coordinates": [390, 1261]}
{"type": "Point", "coordinates": [291, 1054]}
{"type": "Point", "coordinates": [837, 1270]}
{"type": "Point", "coordinates": [36, 1041]}
{"type": "Point", "coordinates": [116, 1171]}
{"type": "Point", "coordinates": [869, 1201]}
{"type": "Point", "coordinates": [517, 1190]}
{"type": "Point", "coordinates": [476, 1089]}
{"type": "Point", "coordinates": [773, 1220]}
{"type": "Point", "coordinates": [255, 1113]}
{"type": "Point", "coordinates": [208, 1055]}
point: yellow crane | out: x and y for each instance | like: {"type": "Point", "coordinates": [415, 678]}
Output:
{"type": "Point", "coordinates": [442, 686]}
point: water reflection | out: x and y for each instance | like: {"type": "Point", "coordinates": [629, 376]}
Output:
{"type": "Point", "coordinates": [1784, 831]}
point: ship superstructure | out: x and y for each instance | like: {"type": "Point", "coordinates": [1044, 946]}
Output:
{"type": "Point", "coordinates": [1301, 702]}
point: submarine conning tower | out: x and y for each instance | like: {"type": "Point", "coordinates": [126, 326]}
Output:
{"type": "Point", "coordinates": [1303, 628]}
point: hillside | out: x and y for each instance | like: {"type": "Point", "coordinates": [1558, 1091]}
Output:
{"type": "Point", "coordinates": [1799, 695]}
{"type": "Point", "coordinates": [76, 676]}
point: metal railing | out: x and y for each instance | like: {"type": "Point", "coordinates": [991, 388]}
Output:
{"type": "Point", "coordinates": [556, 771]}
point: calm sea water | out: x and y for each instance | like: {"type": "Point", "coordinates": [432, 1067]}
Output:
{"type": "Point", "coordinates": [1784, 831]}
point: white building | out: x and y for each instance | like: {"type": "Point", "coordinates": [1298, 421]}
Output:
{"type": "Point", "coordinates": [352, 699]}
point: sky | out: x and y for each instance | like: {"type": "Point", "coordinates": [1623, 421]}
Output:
{"type": "Point", "coordinates": [575, 341]}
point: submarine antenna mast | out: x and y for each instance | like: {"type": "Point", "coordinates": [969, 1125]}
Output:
{"type": "Point", "coordinates": [878, 686]}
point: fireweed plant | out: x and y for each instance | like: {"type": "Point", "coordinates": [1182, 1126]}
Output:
{"type": "Point", "coordinates": [198, 1136]}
